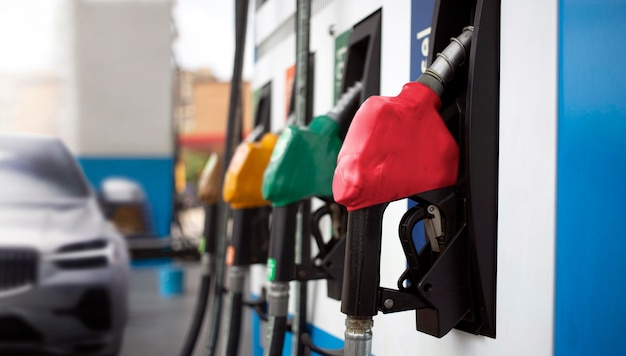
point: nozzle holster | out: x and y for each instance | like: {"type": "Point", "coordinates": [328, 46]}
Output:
{"type": "Point", "coordinates": [435, 284]}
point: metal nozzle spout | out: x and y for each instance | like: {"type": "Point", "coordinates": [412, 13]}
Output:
{"type": "Point", "coordinates": [441, 71]}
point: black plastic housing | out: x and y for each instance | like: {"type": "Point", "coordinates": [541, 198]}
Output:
{"type": "Point", "coordinates": [363, 60]}
{"type": "Point", "coordinates": [210, 228]}
{"type": "Point", "coordinates": [263, 114]}
{"type": "Point", "coordinates": [250, 236]}
{"type": "Point", "coordinates": [477, 188]}
{"type": "Point", "coordinates": [282, 242]}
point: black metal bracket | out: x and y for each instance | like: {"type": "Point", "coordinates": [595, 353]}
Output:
{"type": "Point", "coordinates": [305, 338]}
{"type": "Point", "coordinates": [328, 263]}
{"type": "Point", "coordinates": [436, 283]}
{"type": "Point", "coordinates": [393, 301]}
{"type": "Point", "coordinates": [259, 305]}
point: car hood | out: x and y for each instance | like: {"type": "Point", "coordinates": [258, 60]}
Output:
{"type": "Point", "coordinates": [49, 226]}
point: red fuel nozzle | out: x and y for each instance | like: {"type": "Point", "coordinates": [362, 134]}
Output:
{"type": "Point", "coordinates": [399, 146]}
{"type": "Point", "coordinates": [396, 147]}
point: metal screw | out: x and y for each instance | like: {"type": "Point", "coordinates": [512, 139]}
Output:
{"type": "Point", "coordinates": [332, 29]}
{"type": "Point", "coordinates": [431, 209]}
{"type": "Point", "coordinates": [388, 303]}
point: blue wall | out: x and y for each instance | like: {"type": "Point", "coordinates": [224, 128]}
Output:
{"type": "Point", "coordinates": [421, 20]}
{"type": "Point", "coordinates": [590, 305]}
{"type": "Point", "coordinates": [154, 174]}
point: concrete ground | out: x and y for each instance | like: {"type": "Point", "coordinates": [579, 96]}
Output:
{"type": "Point", "coordinates": [157, 325]}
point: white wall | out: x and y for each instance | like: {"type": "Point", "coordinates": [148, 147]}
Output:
{"type": "Point", "coordinates": [124, 77]}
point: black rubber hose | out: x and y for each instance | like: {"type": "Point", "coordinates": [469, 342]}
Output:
{"type": "Point", "coordinates": [209, 235]}
{"type": "Point", "coordinates": [234, 329]}
{"type": "Point", "coordinates": [281, 257]}
{"type": "Point", "coordinates": [233, 138]}
{"type": "Point", "coordinates": [279, 327]}
{"type": "Point", "coordinates": [198, 316]}
{"type": "Point", "coordinates": [210, 226]}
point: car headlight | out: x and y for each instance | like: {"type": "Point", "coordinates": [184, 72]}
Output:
{"type": "Point", "coordinates": [84, 255]}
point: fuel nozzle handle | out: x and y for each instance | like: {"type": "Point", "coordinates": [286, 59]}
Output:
{"type": "Point", "coordinates": [286, 179]}
{"type": "Point", "coordinates": [343, 112]}
{"type": "Point", "coordinates": [281, 267]}
{"type": "Point", "coordinates": [209, 186]}
{"type": "Point", "coordinates": [280, 270]}
{"type": "Point", "coordinates": [361, 273]}
{"type": "Point", "coordinates": [441, 71]}
{"type": "Point", "coordinates": [361, 278]}
{"type": "Point", "coordinates": [392, 138]}
{"type": "Point", "coordinates": [210, 181]}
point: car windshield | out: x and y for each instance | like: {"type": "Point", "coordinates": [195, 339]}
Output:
{"type": "Point", "coordinates": [38, 171]}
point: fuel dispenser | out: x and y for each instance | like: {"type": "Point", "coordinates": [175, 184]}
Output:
{"type": "Point", "coordinates": [250, 229]}
{"type": "Point", "coordinates": [437, 144]}
{"type": "Point", "coordinates": [302, 167]}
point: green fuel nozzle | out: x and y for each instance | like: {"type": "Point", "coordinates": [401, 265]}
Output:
{"type": "Point", "coordinates": [304, 158]}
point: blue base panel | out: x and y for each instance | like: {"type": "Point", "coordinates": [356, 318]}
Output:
{"type": "Point", "coordinates": [155, 175]}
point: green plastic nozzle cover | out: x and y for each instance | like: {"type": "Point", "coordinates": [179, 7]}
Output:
{"type": "Point", "coordinates": [303, 162]}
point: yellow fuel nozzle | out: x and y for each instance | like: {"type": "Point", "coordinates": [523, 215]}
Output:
{"type": "Point", "coordinates": [244, 177]}
{"type": "Point", "coordinates": [210, 180]}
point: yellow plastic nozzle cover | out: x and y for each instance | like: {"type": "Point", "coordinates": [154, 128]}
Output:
{"type": "Point", "coordinates": [210, 180]}
{"type": "Point", "coordinates": [244, 177]}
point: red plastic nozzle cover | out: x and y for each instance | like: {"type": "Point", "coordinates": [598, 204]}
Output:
{"type": "Point", "coordinates": [395, 147]}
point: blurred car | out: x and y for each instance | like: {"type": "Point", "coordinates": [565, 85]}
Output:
{"type": "Point", "coordinates": [63, 268]}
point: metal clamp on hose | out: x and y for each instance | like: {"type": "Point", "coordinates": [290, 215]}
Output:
{"type": "Point", "coordinates": [278, 299]}
{"type": "Point", "coordinates": [443, 67]}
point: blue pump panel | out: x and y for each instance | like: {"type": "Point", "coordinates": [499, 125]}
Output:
{"type": "Point", "coordinates": [155, 175]}
{"type": "Point", "coordinates": [421, 20]}
{"type": "Point", "coordinates": [590, 243]}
